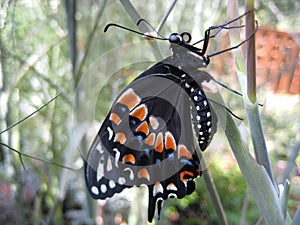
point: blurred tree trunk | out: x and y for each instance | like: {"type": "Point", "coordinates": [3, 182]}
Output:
{"type": "Point", "coordinates": [74, 206]}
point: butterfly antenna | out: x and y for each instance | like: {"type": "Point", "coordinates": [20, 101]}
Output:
{"type": "Point", "coordinates": [134, 31]}
{"type": "Point", "coordinates": [238, 45]}
{"type": "Point", "coordinates": [145, 21]}
{"type": "Point", "coordinates": [224, 26]}
{"type": "Point", "coordinates": [211, 36]}
{"type": "Point", "coordinates": [231, 21]}
{"type": "Point", "coordinates": [218, 31]}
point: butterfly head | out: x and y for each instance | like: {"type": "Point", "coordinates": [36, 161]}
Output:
{"type": "Point", "coordinates": [180, 39]}
{"type": "Point", "coordinates": [186, 55]}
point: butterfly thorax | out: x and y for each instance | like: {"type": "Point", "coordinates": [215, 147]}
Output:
{"type": "Point", "coordinates": [185, 59]}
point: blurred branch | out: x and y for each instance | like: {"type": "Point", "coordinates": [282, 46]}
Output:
{"type": "Point", "coordinates": [70, 7]}
{"type": "Point", "coordinates": [293, 154]}
{"type": "Point", "coordinates": [76, 136]}
{"type": "Point", "coordinates": [89, 43]}
{"type": "Point", "coordinates": [135, 16]}
{"type": "Point", "coordinates": [296, 219]}
{"type": "Point", "coordinates": [36, 158]}
{"type": "Point", "coordinates": [244, 208]}
{"type": "Point", "coordinates": [165, 16]}
{"type": "Point", "coordinates": [30, 115]}
{"type": "Point", "coordinates": [284, 196]}
{"type": "Point", "coordinates": [214, 196]}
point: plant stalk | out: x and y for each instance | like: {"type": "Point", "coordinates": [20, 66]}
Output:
{"type": "Point", "coordinates": [135, 16]}
{"type": "Point", "coordinates": [252, 111]}
{"type": "Point", "coordinates": [166, 15]}
{"type": "Point", "coordinates": [296, 219]}
{"type": "Point", "coordinates": [250, 52]}
{"type": "Point", "coordinates": [259, 179]}
{"type": "Point", "coordinates": [255, 175]}
{"type": "Point", "coordinates": [214, 196]}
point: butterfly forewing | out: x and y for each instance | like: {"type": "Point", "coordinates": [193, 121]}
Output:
{"type": "Point", "coordinates": [147, 138]}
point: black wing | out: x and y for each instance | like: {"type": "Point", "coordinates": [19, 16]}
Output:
{"type": "Point", "coordinates": [147, 138]}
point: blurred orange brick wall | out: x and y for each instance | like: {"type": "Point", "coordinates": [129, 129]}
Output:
{"type": "Point", "coordinates": [278, 64]}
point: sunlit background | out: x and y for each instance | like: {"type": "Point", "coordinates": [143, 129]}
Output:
{"type": "Point", "coordinates": [59, 47]}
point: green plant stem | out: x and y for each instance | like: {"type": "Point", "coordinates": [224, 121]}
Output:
{"type": "Point", "coordinates": [291, 163]}
{"type": "Point", "coordinates": [257, 179]}
{"type": "Point", "coordinates": [214, 196]}
{"type": "Point", "coordinates": [135, 16]}
{"type": "Point", "coordinates": [244, 208]}
{"type": "Point", "coordinates": [70, 7]}
{"type": "Point", "coordinates": [296, 219]}
{"type": "Point", "coordinates": [252, 111]}
{"type": "Point", "coordinates": [166, 15]}
{"type": "Point", "coordinates": [257, 136]}
{"type": "Point", "coordinates": [284, 196]}
{"type": "Point", "coordinates": [260, 148]}
{"type": "Point", "coordinates": [250, 52]}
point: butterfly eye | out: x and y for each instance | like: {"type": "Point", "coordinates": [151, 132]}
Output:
{"type": "Point", "coordinates": [175, 38]}
{"type": "Point", "coordinates": [186, 36]}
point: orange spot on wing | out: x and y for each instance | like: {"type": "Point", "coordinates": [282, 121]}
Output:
{"type": "Point", "coordinates": [143, 173]}
{"type": "Point", "coordinates": [115, 118]}
{"type": "Point", "coordinates": [143, 128]}
{"type": "Point", "coordinates": [183, 152]}
{"type": "Point", "coordinates": [170, 141]}
{"type": "Point", "coordinates": [159, 143]}
{"type": "Point", "coordinates": [120, 137]}
{"type": "Point", "coordinates": [186, 175]}
{"type": "Point", "coordinates": [140, 112]}
{"type": "Point", "coordinates": [129, 98]}
{"type": "Point", "coordinates": [129, 158]}
{"type": "Point", "coordinates": [150, 139]}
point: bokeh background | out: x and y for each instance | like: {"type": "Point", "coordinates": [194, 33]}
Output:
{"type": "Point", "coordinates": [59, 47]}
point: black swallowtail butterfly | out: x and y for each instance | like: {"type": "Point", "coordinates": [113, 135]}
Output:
{"type": "Point", "coordinates": [148, 136]}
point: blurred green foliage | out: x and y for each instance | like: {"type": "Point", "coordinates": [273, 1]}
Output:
{"type": "Point", "coordinates": [35, 66]}
{"type": "Point", "coordinates": [197, 208]}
